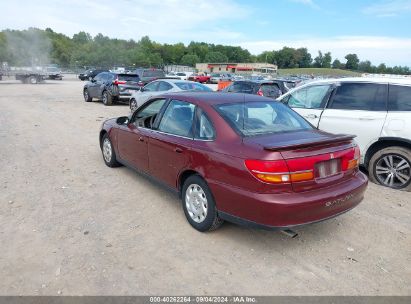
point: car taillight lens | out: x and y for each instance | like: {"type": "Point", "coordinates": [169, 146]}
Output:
{"type": "Point", "coordinates": [259, 92]}
{"type": "Point", "coordinates": [276, 171]}
{"type": "Point", "coordinates": [351, 160]}
{"type": "Point", "coordinates": [117, 82]}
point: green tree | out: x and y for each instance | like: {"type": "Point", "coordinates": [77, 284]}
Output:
{"type": "Point", "coordinates": [352, 62]}
{"type": "Point", "coordinates": [190, 59]}
{"type": "Point", "coordinates": [337, 64]}
{"type": "Point", "coordinates": [216, 57]}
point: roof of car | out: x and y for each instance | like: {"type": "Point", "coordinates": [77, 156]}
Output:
{"type": "Point", "coordinates": [214, 98]}
{"type": "Point", "coordinates": [364, 79]}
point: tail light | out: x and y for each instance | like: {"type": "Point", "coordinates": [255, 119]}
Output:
{"type": "Point", "coordinates": [276, 171]}
{"type": "Point", "coordinates": [351, 160]}
{"type": "Point", "coordinates": [117, 82]}
{"type": "Point", "coordinates": [259, 92]}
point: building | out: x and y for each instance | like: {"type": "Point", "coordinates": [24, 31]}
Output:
{"type": "Point", "coordinates": [237, 68]}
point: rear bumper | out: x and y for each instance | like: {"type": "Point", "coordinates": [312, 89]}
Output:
{"type": "Point", "coordinates": [285, 210]}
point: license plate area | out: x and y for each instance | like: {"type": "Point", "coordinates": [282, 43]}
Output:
{"type": "Point", "coordinates": [328, 168]}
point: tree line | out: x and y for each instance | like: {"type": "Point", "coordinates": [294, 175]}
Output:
{"type": "Point", "coordinates": [36, 46]}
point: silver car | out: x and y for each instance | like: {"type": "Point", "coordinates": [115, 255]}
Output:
{"type": "Point", "coordinates": [161, 86]}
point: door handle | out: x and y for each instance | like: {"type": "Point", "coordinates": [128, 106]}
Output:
{"type": "Point", "coordinates": [141, 139]}
{"type": "Point", "coordinates": [178, 150]}
{"type": "Point", "coordinates": [311, 116]}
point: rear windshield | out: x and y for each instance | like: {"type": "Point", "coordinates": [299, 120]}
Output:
{"type": "Point", "coordinates": [153, 73]}
{"type": "Point", "coordinates": [192, 86]}
{"type": "Point", "coordinates": [129, 77]}
{"type": "Point", "coordinates": [271, 90]}
{"type": "Point", "coordinates": [262, 117]}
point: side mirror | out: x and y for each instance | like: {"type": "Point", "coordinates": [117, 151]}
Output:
{"type": "Point", "coordinates": [122, 120]}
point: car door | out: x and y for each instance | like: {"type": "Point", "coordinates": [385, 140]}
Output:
{"type": "Point", "coordinates": [93, 86]}
{"type": "Point", "coordinates": [132, 140]}
{"type": "Point", "coordinates": [149, 90]}
{"type": "Point", "coordinates": [398, 121]}
{"type": "Point", "coordinates": [169, 145]}
{"type": "Point", "coordinates": [309, 101]}
{"type": "Point", "coordinates": [357, 108]}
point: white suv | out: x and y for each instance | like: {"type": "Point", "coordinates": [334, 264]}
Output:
{"type": "Point", "coordinates": [378, 111]}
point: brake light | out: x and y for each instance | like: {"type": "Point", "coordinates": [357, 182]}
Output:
{"type": "Point", "coordinates": [259, 92]}
{"type": "Point", "coordinates": [352, 159]}
{"type": "Point", "coordinates": [276, 171]}
{"type": "Point", "coordinates": [117, 82]}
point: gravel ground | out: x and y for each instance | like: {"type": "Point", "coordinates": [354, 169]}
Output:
{"type": "Point", "coordinates": [70, 225]}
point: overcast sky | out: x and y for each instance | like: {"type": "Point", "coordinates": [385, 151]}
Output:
{"type": "Point", "coordinates": [378, 30]}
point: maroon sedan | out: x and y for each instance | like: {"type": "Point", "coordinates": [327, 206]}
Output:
{"type": "Point", "coordinates": [238, 157]}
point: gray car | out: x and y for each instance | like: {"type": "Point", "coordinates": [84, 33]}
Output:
{"type": "Point", "coordinates": [161, 86]}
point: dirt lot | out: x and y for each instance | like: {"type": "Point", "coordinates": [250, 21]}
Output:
{"type": "Point", "coordinates": [70, 225]}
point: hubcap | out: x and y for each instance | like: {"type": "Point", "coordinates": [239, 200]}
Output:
{"type": "Point", "coordinates": [105, 98]}
{"type": "Point", "coordinates": [393, 171]}
{"type": "Point", "coordinates": [107, 152]}
{"type": "Point", "coordinates": [133, 106]}
{"type": "Point", "coordinates": [196, 203]}
{"type": "Point", "coordinates": [85, 95]}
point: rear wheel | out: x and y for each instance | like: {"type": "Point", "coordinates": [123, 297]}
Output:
{"type": "Point", "coordinates": [198, 205]}
{"type": "Point", "coordinates": [133, 105]}
{"type": "Point", "coordinates": [86, 95]}
{"type": "Point", "coordinates": [391, 167]}
{"type": "Point", "coordinates": [107, 99]}
{"type": "Point", "coordinates": [109, 155]}
{"type": "Point", "coordinates": [33, 79]}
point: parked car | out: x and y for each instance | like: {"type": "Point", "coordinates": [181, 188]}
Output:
{"type": "Point", "coordinates": [111, 87]}
{"type": "Point", "coordinates": [183, 75]}
{"type": "Point", "coordinates": [90, 74]}
{"type": "Point", "coordinates": [147, 75]}
{"type": "Point", "coordinates": [272, 88]}
{"type": "Point", "coordinates": [378, 111]}
{"type": "Point", "coordinates": [216, 77]}
{"type": "Point", "coordinates": [237, 157]}
{"type": "Point", "coordinates": [199, 78]}
{"type": "Point", "coordinates": [162, 86]}
{"type": "Point", "coordinates": [53, 73]}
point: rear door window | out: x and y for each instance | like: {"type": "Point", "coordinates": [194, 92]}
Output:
{"type": "Point", "coordinates": [399, 98]}
{"type": "Point", "coordinates": [204, 129]}
{"type": "Point", "coordinates": [270, 90]}
{"type": "Point", "coordinates": [128, 77]}
{"type": "Point", "coordinates": [312, 97]}
{"type": "Point", "coordinates": [360, 96]}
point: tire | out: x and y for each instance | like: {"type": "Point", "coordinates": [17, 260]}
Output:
{"type": "Point", "coordinates": [32, 80]}
{"type": "Point", "coordinates": [201, 211]}
{"type": "Point", "coordinates": [109, 155]}
{"type": "Point", "coordinates": [87, 97]}
{"type": "Point", "coordinates": [133, 105]}
{"type": "Point", "coordinates": [107, 99]}
{"type": "Point", "coordinates": [391, 167]}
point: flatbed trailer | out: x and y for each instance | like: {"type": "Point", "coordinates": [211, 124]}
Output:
{"type": "Point", "coordinates": [30, 77]}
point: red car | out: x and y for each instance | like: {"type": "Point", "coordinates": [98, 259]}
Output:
{"type": "Point", "coordinates": [199, 78]}
{"type": "Point", "coordinates": [238, 157]}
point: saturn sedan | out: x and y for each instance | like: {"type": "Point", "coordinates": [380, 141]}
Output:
{"type": "Point", "coordinates": [162, 86]}
{"type": "Point", "coordinates": [238, 157]}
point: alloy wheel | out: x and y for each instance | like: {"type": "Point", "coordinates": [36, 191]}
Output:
{"type": "Point", "coordinates": [393, 171]}
{"type": "Point", "coordinates": [133, 105]}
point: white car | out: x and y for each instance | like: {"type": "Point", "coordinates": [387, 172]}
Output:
{"type": "Point", "coordinates": [162, 86]}
{"type": "Point", "coordinates": [377, 111]}
{"type": "Point", "coordinates": [183, 75]}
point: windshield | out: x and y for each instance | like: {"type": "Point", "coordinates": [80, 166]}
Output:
{"type": "Point", "coordinates": [129, 77]}
{"type": "Point", "coordinates": [262, 117]}
{"type": "Point", "coordinates": [192, 86]}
